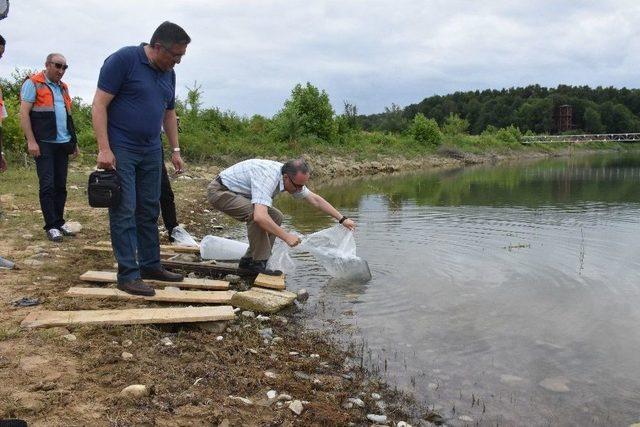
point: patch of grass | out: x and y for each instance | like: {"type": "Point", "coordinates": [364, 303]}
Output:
{"type": "Point", "coordinates": [7, 333]}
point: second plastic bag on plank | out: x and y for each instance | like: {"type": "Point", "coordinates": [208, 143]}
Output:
{"type": "Point", "coordinates": [214, 247]}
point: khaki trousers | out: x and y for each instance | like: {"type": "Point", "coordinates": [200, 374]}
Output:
{"type": "Point", "coordinates": [240, 207]}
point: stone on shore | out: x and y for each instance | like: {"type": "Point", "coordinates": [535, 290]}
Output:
{"type": "Point", "coordinates": [243, 400]}
{"type": "Point", "coordinates": [263, 300]}
{"type": "Point", "coordinates": [302, 295]}
{"type": "Point", "coordinates": [74, 226]}
{"type": "Point", "coordinates": [135, 390]}
{"type": "Point", "coordinates": [296, 407]}
{"type": "Point", "coordinates": [379, 419]}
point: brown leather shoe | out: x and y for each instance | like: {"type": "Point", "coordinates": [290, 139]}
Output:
{"type": "Point", "coordinates": [137, 287]}
{"type": "Point", "coordinates": [161, 274]}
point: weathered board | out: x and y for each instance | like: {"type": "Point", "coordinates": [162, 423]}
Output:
{"type": "Point", "coordinates": [168, 248]}
{"type": "Point", "coordinates": [271, 282]}
{"type": "Point", "coordinates": [177, 296]}
{"type": "Point", "coordinates": [42, 318]}
{"type": "Point", "coordinates": [108, 250]}
{"type": "Point", "coordinates": [214, 268]}
{"type": "Point", "coordinates": [187, 283]}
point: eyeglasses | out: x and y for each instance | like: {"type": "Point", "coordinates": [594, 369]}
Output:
{"type": "Point", "coordinates": [59, 65]}
{"type": "Point", "coordinates": [298, 187]}
{"type": "Point", "coordinates": [175, 56]}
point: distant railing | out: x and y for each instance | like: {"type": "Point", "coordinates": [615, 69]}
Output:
{"type": "Point", "coordinates": [605, 137]}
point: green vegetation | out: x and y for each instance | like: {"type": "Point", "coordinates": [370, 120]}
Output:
{"type": "Point", "coordinates": [530, 108]}
{"type": "Point", "coordinates": [308, 125]}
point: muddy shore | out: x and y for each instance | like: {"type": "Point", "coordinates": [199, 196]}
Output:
{"type": "Point", "coordinates": [74, 376]}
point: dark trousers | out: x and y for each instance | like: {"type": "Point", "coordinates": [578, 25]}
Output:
{"type": "Point", "coordinates": [134, 222]}
{"type": "Point", "coordinates": [167, 202]}
{"type": "Point", "coordinates": [52, 166]}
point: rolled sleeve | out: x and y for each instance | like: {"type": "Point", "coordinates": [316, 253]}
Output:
{"type": "Point", "coordinates": [302, 194]}
{"type": "Point", "coordinates": [28, 92]}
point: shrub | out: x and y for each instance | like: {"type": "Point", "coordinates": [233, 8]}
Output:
{"type": "Point", "coordinates": [426, 131]}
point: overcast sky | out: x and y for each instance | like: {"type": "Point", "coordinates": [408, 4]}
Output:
{"type": "Point", "coordinates": [248, 54]}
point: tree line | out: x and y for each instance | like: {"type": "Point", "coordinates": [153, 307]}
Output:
{"type": "Point", "coordinates": [530, 108]}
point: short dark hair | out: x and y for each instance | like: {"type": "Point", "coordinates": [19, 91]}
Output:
{"type": "Point", "coordinates": [292, 167]}
{"type": "Point", "coordinates": [168, 34]}
{"type": "Point", "coordinates": [3, 42]}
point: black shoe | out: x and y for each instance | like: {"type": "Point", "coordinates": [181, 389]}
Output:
{"type": "Point", "coordinates": [260, 267]}
{"type": "Point", "coordinates": [161, 274]}
{"type": "Point", "coordinates": [137, 287]}
{"type": "Point", "coordinates": [245, 262]}
{"type": "Point", "coordinates": [54, 235]}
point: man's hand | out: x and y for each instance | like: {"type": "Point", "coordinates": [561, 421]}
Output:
{"type": "Point", "coordinates": [33, 148]}
{"type": "Point", "coordinates": [349, 223]}
{"type": "Point", "coordinates": [178, 164]}
{"type": "Point", "coordinates": [3, 164]}
{"type": "Point", "coordinates": [106, 160]}
{"type": "Point", "coordinates": [76, 152]}
{"type": "Point", "coordinates": [292, 240]}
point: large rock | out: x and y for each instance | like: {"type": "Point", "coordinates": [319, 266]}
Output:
{"type": "Point", "coordinates": [263, 300]}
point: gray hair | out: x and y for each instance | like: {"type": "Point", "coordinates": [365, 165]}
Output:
{"type": "Point", "coordinates": [51, 55]}
{"type": "Point", "coordinates": [292, 167]}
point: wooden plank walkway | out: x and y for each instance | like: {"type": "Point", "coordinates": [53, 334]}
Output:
{"type": "Point", "coordinates": [42, 318]}
{"type": "Point", "coordinates": [187, 283]}
{"type": "Point", "coordinates": [177, 296]}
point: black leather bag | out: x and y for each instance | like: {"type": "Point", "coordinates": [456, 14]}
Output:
{"type": "Point", "coordinates": [104, 189]}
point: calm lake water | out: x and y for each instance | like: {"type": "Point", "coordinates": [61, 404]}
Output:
{"type": "Point", "coordinates": [508, 294]}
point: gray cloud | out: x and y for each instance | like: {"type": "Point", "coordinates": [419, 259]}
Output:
{"type": "Point", "coordinates": [248, 55]}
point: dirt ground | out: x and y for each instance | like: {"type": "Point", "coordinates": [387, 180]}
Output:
{"type": "Point", "coordinates": [74, 376]}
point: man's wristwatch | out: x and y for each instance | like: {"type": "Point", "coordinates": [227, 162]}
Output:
{"type": "Point", "coordinates": [176, 149]}
{"type": "Point", "coordinates": [343, 219]}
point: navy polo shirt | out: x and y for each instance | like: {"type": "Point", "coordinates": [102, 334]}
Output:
{"type": "Point", "coordinates": [142, 94]}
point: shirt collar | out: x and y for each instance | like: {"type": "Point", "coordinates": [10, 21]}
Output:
{"type": "Point", "coordinates": [282, 183]}
{"type": "Point", "coordinates": [49, 82]}
{"type": "Point", "coordinates": [142, 55]}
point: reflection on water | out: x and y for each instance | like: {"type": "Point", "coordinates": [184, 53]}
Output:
{"type": "Point", "coordinates": [507, 294]}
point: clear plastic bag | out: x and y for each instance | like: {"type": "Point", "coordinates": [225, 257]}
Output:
{"type": "Point", "coordinates": [182, 238]}
{"type": "Point", "coordinates": [281, 258]}
{"type": "Point", "coordinates": [335, 250]}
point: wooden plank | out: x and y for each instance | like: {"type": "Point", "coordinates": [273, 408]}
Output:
{"type": "Point", "coordinates": [42, 318]}
{"type": "Point", "coordinates": [271, 282]}
{"type": "Point", "coordinates": [187, 283]}
{"type": "Point", "coordinates": [108, 250]}
{"type": "Point", "coordinates": [217, 269]}
{"type": "Point", "coordinates": [200, 297]}
{"type": "Point", "coordinates": [168, 248]}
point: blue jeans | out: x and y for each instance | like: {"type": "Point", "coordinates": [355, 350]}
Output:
{"type": "Point", "coordinates": [52, 165]}
{"type": "Point", "coordinates": [134, 223]}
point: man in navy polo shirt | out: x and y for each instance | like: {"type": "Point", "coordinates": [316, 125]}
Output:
{"type": "Point", "coordinates": [134, 99]}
